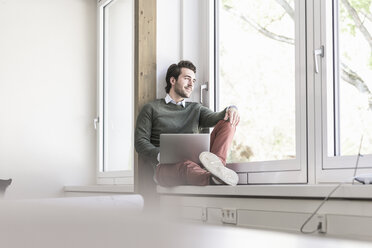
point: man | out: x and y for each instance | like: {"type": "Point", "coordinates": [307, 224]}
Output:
{"type": "Point", "coordinates": [174, 115]}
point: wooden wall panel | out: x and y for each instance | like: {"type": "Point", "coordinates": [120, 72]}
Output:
{"type": "Point", "coordinates": [145, 52]}
{"type": "Point", "coordinates": [145, 80]}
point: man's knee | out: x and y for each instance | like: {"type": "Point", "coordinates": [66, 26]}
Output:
{"type": "Point", "coordinates": [224, 127]}
{"type": "Point", "coordinates": [225, 124]}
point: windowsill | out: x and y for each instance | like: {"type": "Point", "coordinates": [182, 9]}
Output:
{"type": "Point", "coordinates": [117, 189]}
{"type": "Point", "coordinates": [356, 191]}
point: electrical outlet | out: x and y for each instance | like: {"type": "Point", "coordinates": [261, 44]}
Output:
{"type": "Point", "coordinates": [204, 214]}
{"type": "Point", "coordinates": [228, 215]}
{"type": "Point", "coordinates": [322, 223]}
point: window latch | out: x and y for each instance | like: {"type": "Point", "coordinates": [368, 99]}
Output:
{"type": "Point", "coordinates": [318, 52]}
{"type": "Point", "coordinates": [95, 122]}
{"type": "Point", "coordinates": [202, 88]}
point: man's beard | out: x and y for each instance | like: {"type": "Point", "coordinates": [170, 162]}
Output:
{"type": "Point", "coordinates": [179, 92]}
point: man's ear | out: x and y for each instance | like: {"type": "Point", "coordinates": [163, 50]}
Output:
{"type": "Point", "coordinates": [173, 80]}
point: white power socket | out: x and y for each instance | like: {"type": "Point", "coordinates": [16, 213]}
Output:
{"type": "Point", "coordinates": [228, 215]}
{"type": "Point", "coordinates": [204, 214]}
{"type": "Point", "coordinates": [322, 223]}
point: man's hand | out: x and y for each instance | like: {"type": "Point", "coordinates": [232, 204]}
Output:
{"type": "Point", "coordinates": [233, 116]}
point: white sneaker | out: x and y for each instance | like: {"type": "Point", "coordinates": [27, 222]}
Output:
{"type": "Point", "coordinates": [214, 165]}
{"type": "Point", "coordinates": [217, 181]}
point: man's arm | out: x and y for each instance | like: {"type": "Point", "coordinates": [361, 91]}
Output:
{"type": "Point", "coordinates": [142, 135]}
{"type": "Point", "coordinates": [208, 118]}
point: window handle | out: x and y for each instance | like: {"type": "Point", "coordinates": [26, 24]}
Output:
{"type": "Point", "coordinates": [203, 87]}
{"type": "Point", "coordinates": [318, 52]}
{"type": "Point", "coordinates": [95, 122]}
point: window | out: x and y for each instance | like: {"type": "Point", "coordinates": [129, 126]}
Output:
{"type": "Point", "coordinates": [353, 78]}
{"type": "Point", "coordinates": [116, 92]}
{"type": "Point", "coordinates": [260, 55]}
{"type": "Point", "coordinates": [346, 80]}
{"type": "Point", "coordinates": [301, 73]}
{"type": "Point", "coordinates": [261, 35]}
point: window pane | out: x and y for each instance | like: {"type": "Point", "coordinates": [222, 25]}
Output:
{"type": "Point", "coordinates": [355, 77]}
{"type": "Point", "coordinates": [257, 73]}
{"type": "Point", "coordinates": [118, 86]}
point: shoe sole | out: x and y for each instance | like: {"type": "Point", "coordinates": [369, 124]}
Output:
{"type": "Point", "coordinates": [214, 165]}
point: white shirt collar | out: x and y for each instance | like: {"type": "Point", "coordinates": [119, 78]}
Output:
{"type": "Point", "coordinates": [168, 99]}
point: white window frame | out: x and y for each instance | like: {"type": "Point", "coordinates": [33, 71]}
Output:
{"type": "Point", "coordinates": [282, 171]}
{"type": "Point", "coordinates": [329, 168]}
{"type": "Point", "coordinates": [122, 177]}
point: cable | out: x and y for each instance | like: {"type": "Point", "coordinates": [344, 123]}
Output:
{"type": "Point", "coordinates": [316, 210]}
{"type": "Point", "coordinates": [330, 194]}
{"type": "Point", "coordinates": [357, 161]}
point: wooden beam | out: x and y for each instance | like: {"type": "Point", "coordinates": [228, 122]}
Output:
{"type": "Point", "coordinates": [145, 79]}
{"type": "Point", "coordinates": [145, 52]}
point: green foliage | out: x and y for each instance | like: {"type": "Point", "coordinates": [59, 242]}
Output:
{"type": "Point", "coordinates": [346, 56]}
{"type": "Point", "coordinates": [361, 5]}
{"type": "Point", "coordinates": [352, 28]}
{"type": "Point", "coordinates": [370, 61]}
{"type": "Point", "coordinates": [227, 4]}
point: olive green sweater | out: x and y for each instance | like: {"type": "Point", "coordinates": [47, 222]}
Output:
{"type": "Point", "coordinates": [157, 117]}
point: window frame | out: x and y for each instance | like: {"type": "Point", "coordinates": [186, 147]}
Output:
{"type": "Point", "coordinates": [330, 168]}
{"type": "Point", "coordinates": [281, 171]}
{"type": "Point", "coordinates": [122, 177]}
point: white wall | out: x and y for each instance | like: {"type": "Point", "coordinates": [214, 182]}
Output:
{"type": "Point", "coordinates": [47, 95]}
{"type": "Point", "coordinates": [183, 33]}
{"type": "Point", "coordinates": [168, 39]}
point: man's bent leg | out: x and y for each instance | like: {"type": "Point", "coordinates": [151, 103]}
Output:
{"type": "Point", "coordinates": [221, 139]}
{"type": "Point", "coordinates": [185, 173]}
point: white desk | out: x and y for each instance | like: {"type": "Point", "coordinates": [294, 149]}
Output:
{"type": "Point", "coordinates": [100, 222]}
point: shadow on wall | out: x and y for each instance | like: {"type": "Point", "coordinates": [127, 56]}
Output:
{"type": "Point", "coordinates": [4, 185]}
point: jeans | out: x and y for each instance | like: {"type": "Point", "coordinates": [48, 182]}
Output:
{"type": "Point", "coordinates": [191, 173]}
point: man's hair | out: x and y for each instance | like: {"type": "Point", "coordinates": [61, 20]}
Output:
{"type": "Point", "coordinates": [174, 70]}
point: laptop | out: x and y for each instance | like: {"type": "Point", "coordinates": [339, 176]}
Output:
{"type": "Point", "coordinates": [175, 148]}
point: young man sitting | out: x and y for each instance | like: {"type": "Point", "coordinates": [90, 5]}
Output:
{"type": "Point", "coordinates": [174, 115]}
